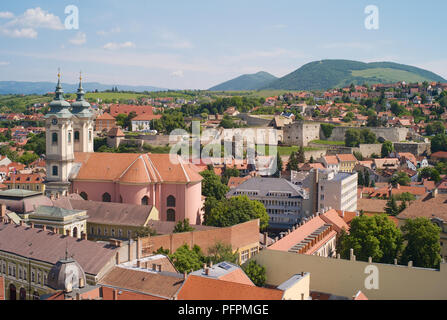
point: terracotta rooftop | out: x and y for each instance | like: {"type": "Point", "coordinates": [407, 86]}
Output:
{"type": "Point", "coordinates": [115, 132]}
{"type": "Point", "coordinates": [48, 247]}
{"type": "Point", "coordinates": [134, 168]}
{"type": "Point", "coordinates": [159, 285]}
{"type": "Point", "coordinates": [200, 288]}
{"type": "Point", "coordinates": [346, 157]}
{"type": "Point", "coordinates": [372, 205]}
{"type": "Point", "coordinates": [105, 116]}
{"type": "Point", "coordinates": [428, 207]}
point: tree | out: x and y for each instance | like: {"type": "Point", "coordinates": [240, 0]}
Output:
{"type": "Point", "coordinates": [352, 138]}
{"type": "Point", "coordinates": [430, 173]}
{"type": "Point", "coordinates": [300, 156]}
{"type": "Point", "coordinates": [387, 148]}
{"type": "Point", "coordinates": [435, 128]}
{"type": "Point", "coordinates": [183, 226]}
{"type": "Point", "coordinates": [439, 143]}
{"type": "Point", "coordinates": [293, 162]}
{"type": "Point", "coordinates": [327, 129]}
{"type": "Point", "coordinates": [367, 136]}
{"type": "Point", "coordinates": [376, 237]}
{"type": "Point", "coordinates": [128, 120]}
{"type": "Point", "coordinates": [360, 178]}
{"type": "Point", "coordinates": [186, 259]}
{"type": "Point", "coordinates": [222, 252]}
{"type": "Point", "coordinates": [229, 212]}
{"type": "Point", "coordinates": [121, 119]}
{"type": "Point", "coordinates": [255, 272]}
{"type": "Point", "coordinates": [212, 185]}
{"type": "Point", "coordinates": [143, 232]}
{"type": "Point", "coordinates": [279, 166]}
{"type": "Point", "coordinates": [28, 158]}
{"type": "Point", "coordinates": [366, 178]}
{"type": "Point", "coordinates": [391, 207]}
{"type": "Point", "coordinates": [400, 178]}
{"type": "Point", "coordinates": [423, 243]}
{"type": "Point", "coordinates": [229, 172]}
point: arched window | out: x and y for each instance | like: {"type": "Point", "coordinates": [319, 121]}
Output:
{"type": "Point", "coordinates": [145, 201]}
{"type": "Point", "coordinates": [54, 138]}
{"type": "Point", "coordinates": [22, 294]}
{"type": "Point", "coordinates": [75, 232]}
{"type": "Point", "coordinates": [171, 201]}
{"type": "Point", "coordinates": [106, 197]}
{"type": "Point", "coordinates": [12, 292]}
{"type": "Point", "coordinates": [55, 171]}
{"type": "Point", "coordinates": [84, 195]}
{"type": "Point", "coordinates": [171, 215]}
{"type": "Point", "coordinates": [69, 137]}
{"type": "Point", "coordinates": [76, 136]}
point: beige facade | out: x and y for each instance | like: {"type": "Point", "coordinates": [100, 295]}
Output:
{"type": "Point", "coordinates": [337, 191]}
{"type": "Point", "coordinates": [346, 277]}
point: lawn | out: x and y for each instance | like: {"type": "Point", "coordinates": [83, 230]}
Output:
{"type": "Point", "coordinates": [326, 142]}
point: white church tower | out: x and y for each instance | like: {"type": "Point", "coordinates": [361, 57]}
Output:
{"type": "Point", "coordinates": [83, 123]}
{"type": "Point", "coordinates": [59, 144]}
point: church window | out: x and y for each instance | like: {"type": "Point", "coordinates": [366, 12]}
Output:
{"type": "Point", "coordinates": [171, 215]}
{"type": "Point", "coordinates": [54, 138]}
{"type": "Point", "coordinates": [171, 201]}
{"type": "Point", "coordinates": [106, 197]}
{"type": "Point", "coordinates": [55, 170]}
{"type": "Point", "coordinates": [76, 136]}
{"type": "Point", "coordinates": [145, 201]}
{"type": "Point", "coordinates": [69, 137]}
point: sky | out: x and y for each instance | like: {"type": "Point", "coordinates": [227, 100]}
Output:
{"type": "Point", "coordinates": [197, 44]}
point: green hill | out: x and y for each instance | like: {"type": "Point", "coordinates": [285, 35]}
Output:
{"type": "Point", "coordinates": [326, 74]}
{"type": "Point", "coordinates": [246, 82]}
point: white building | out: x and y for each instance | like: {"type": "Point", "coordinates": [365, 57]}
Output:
{"type": "Point", "coordinates": [337, 191]}
{"type": "Point", "coordinates": [142, 123]}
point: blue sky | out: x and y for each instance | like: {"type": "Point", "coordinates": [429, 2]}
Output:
{"type": "Point", "coordinates": [199, 43]}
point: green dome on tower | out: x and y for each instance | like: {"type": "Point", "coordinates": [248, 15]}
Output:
{"type": "Point", "coordinates": [59, 106]}
{"type": "Point", "coordinates": [81, 107]}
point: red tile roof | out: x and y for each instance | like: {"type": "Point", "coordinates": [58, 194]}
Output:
{"type": "Point", "coordinates": [201, 288]}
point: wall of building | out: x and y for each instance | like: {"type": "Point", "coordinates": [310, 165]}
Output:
{"type": "Point", "coordinates": [415, 148]}
{"type": "Point", "coordinates": [300, 133]}
{"type": "Point", "coordinates": [346, 278]}
{"type": "Point", "coordinates": [368, 149]}
{"type": "Point", "coordinates": [392, 134]}
{"type": "Point", "coordinates": [241, 237]}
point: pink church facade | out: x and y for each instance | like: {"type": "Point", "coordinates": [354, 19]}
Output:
{"type": "Point", "coordinates": [174, 189]}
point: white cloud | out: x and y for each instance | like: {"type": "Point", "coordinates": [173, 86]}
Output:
{"type": "Point", "coordinates": [29, 33]}
{"type": "Point", "coordinates": [116, 46]}
{"type": "Point", "coordinates": [108, 32]}
{"type": "Point", "coordinates": [25, 25]}
{"type": "Point", "coordinates": [4, 63]}
{"type": "Point", "coordinates": [37, 18]}
{"type": "Point", "coordinates": [79, 39]}
{"type": "Point", "coordinates": [6, 15]}
{"type": "Point", "coordinates": [173, 41]}
{"type": "Point", "coordinates": [178, 74]}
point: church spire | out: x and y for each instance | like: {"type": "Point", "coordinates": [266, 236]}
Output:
{"type": "Point", "coordinates": [81, 92]}
{"type": "Point", "coordinates": [59, 91]}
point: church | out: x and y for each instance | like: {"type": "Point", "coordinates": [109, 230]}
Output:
{"type": "Point", "coordinates": [143, 179]}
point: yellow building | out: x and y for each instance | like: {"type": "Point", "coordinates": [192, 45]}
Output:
{"type": "Point", "coordinates": [346, 162]}
{"type": "Point", "coordinates": [31, 182]}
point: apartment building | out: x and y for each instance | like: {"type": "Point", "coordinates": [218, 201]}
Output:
{"type": "Point", "coordinates": [286, 204]}
{"type": "Point", "coordinates": [337, 190]}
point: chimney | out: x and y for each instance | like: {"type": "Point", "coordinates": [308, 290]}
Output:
{"type": "Point", "coordinates": [115, 294]}
{"type": "Point", "coordinates": [81, 282]}
{"type": "Point", "coordinates": [185, 274]}
{"type": "Point", "coordinates": [44, 228]}
{"type": "Point", "coordinates": [211, 264]}
{"type": "Point", "coordinates": [22, 223]}
{"type": "Point", "coordinates": [370, 260]}
{"type": "Point", "coordinates": [32, 225]}
{"type": "Point", "coordinates": [78, 296]}
{"type": "Point", "coordinates": [2, 210]}
{"type": "Point", "coordinates": [207, 271]}
{"type": "Point", "coordinates": [434, 193]}
{"type": "Point", "coordinates": [395, 262]}
{"type": "Point", "coordinates": [343, 213]}
{"type": "Point", "coordinates": [410, 264]}
{"type": "Point", "coordinates": [117, 258]}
